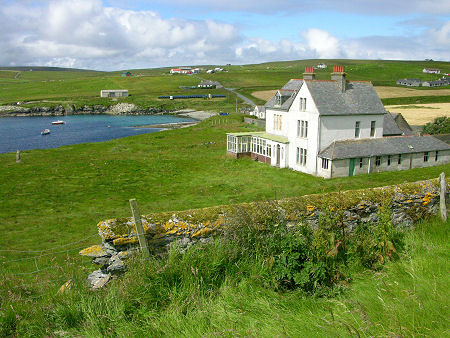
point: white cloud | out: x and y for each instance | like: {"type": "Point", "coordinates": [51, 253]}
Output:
{"type": "Point", "coordinates": [86, 34]}
{"type": "Point", "coordinates": [90, 34]}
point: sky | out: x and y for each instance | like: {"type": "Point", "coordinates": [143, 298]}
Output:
{"type": "Point", "coordinates": [116, 35]}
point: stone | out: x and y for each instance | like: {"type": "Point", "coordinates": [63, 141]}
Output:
{"type": "Point", "coordinates": [109, 248]}
{"type": "Point", "coordinates": [94, 251]}
{"type": "Point", "coordinates": [97, 279]}
{"type": "Point", "coordinates": [102, 261]}
{"type": "Point", "coordinates": [116, 267]}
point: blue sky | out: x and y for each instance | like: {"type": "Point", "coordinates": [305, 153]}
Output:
{"type": "Point", "coordinates": [112, 34]}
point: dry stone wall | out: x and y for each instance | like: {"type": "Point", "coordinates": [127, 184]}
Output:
{"type": "Point", "coordinates": [408, 203]}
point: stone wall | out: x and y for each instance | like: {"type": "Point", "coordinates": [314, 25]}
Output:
{"type": "Point", "coordinates": [408, 203]}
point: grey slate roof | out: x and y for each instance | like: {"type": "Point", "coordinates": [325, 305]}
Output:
{"type": "Point", "coordinates": [358, 98]}
{"type": "Point", "coordinates": [382, 146]}
{"type": "Point", "coordinates": [289, 91]}
{"type": "Point", "coordinates": [390, 127]}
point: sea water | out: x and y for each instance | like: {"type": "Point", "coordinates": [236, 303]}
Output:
{"type": "Point", "coordinates": [24, 133]}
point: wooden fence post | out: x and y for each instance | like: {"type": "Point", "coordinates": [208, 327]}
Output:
{"type": "Point", "coordinates": [443, 191]}
{"type": "Point", "coordinates": [139, 228]}
{"type": "Point", "coordinates": [18, 156]}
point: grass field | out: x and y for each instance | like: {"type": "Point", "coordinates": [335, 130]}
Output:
{"type": "Point", "coordinates": [83, 87]}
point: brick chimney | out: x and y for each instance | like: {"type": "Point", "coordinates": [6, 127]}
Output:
{"type": "Point", "coordinates": [309, 74]}
{"type": "Point", "coordinates": [338, 75]}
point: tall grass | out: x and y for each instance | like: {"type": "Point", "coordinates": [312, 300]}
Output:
{"type": "Point", "coordinates": [213, 290]}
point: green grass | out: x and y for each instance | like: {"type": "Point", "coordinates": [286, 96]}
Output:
{"type": "Point", "coordinates": [210, 292]}
{"type": "Point", "coordinates": [83, 87]}
{"type": "Point", "coordinates": [416, 100]}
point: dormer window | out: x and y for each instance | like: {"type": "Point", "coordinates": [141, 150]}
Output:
{"type": "Point", "coordinates": [278, 100]}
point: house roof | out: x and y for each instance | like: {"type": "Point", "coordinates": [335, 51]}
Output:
{"type": "Point", "coordinates": [390, 127]}
{"type": "Point", "coordinates": [382, 146]}
{"type": "Point", "coordinates": [358, 98]}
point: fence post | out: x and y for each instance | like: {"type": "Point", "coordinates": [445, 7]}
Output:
{"type": "Point", "coordinates": [18, 156]}
{"type": "Point", "coordinates": [443, 190]}
{"type": "Point", "coordinates": [139, 228]}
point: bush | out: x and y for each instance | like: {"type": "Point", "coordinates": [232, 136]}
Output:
{"type": "Point", "coordinates": [440, 125]}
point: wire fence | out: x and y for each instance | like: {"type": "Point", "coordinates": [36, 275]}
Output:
{"type": "Point", "coordinates": [43, 272]}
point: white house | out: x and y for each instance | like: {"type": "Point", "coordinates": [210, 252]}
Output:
{"type": "Point", "coordinates": [259, 112]}
{"type": "Point", "coordinates": [333, 128]}
{"type": "Point", "coordinates": [431, 71]}
{"type": "Point", "coordinates": [321, 66]}
{"type": "Point", "coordinates": [114, 93]}
{"type": "Point", "coordinates": [181, 70]}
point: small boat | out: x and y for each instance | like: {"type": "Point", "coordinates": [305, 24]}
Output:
{"type": "Point", "coordinates": [45, 132]}
{"type": "Point", "coordinates": [58, 122]}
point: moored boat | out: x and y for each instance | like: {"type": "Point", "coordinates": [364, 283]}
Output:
{"type": "Point", "coordinates": [45, 132]}
{"type": "Point", "coordinates": [58, 122]}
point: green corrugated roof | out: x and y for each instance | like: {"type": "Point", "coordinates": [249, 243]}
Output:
{"type": "Point", "coordinates": [263, 134]}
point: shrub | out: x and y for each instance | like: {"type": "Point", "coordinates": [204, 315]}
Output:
{"type": "Point", "coordinates": [440, 125]}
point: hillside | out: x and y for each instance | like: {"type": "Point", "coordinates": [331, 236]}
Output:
{"type": "Point", "coordinates": [52, 86]}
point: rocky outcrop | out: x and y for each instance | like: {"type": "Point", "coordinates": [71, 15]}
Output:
{"type": "Point", "coordinates": [117, 109]}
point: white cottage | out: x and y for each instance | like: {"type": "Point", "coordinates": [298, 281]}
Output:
{"type": "Point", "coordinates": [333, 128]}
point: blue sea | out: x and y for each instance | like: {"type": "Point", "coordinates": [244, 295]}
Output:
{"type": "Point", "coordinates": [24, 133]}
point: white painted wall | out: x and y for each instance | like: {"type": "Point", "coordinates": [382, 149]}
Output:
{"type": "Point", "coordinates": [335, 128]}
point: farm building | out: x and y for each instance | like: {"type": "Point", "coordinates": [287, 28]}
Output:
{"type": "Point", "coordinates": [181, 70]}
{"type": "Point", "coordinates": [437, 83]}
{"type": "Point", "coordinates": [333, 128]}
{"type": "Point", "coordinates": [431, 71]}
{"type": "Point", "coordinates": [114, 93]}
{"type": "Point", "coordinates": [409, 82]}
{"type": "Point", "coordinates": [321, 66]}
{"type": "Point", "coordinates": [208, 84]}
{"type": "Point", "coordinates": [126, 74]}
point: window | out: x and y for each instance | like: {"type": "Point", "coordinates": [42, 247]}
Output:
{"type": "Point", "coordinates": [372, 128]}
{"type": "Point", "coordinates": [302, 128]}
{"type": "Point", "coordinates": [277, 122]}
{"type": "Point", "coordinates": [357, 124]}
{"type": "Point", "coordinates": [324, 163]}
{"type": "Point", "coordinates": [302, 104]}
{"type": "Point", "coordinates": [278, 99]}
{"type": "Point", "coordinates": [436, 157]}
{"type": "Point", "coordinates": [360, 162]}
{"type": "Point", "coordinates": [378, 161]}
{"type": "Point", "coordinates": [389, 159]}
{"type": "Point", "coordinates": [425, 156]}
{"type": "Point", "coordinates": [301, 156]}
{"type": "Point", "coordinates": [399, 159]}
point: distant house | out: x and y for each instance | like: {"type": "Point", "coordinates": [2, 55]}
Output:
{"type": "Point", "coordinates": [126, 74]}
{"type": "Point", "coordinates": [181, 70]}
{"type": "Point", "coordinates": [409, 82]}
{"type": "Point", "coordinates": [321, 66]}
{"type": "Point", "coordinates": [332, 129]}
{"type": "Point", "coordinates": [209, 84]}
{"type": "Point", "coordinates": [431, 71]}
{"type": "Point", "coordinates": [437, 83]}
{"type": "Point", "coordinates": [210, 71]}
{"type": "Point", "coordinates": [259, 112]}
{"type": "Point", "coordinates": [114, 93]}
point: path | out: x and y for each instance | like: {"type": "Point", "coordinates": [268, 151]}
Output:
{"type": "Point", "coordinates": [246, 99]}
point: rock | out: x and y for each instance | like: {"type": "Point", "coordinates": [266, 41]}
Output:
{"type": "Point", "coordinates": [109, 248]}
{"type": "Point", "coordinates": [117, 266]}
{"type": "Point", "coordinates": [126, 254]}
{"type": "Point", "coordinates": [102, 261]}
{"type": "Point", "coordinates": [98, 279]}
{"type": "Point", "coordinates": [94, 251]}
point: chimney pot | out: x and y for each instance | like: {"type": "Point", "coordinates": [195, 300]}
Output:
{"type": "Point", "coordinates": [309, 73]}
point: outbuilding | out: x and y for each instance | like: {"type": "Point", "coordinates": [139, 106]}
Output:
{"type": "Point", "coordinates": [114, 93]}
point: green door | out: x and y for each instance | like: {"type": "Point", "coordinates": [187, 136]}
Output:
{"type": "Point", "coordinates": [351, 167]}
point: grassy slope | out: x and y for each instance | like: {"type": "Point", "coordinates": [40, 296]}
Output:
{"type": "Point", "coordinates": [147, 84]}
{"type": "Point", "coordinates": [69, 189]}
